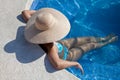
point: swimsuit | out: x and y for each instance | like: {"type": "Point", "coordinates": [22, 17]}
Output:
{"type": "Point", "coordinates": [62, 49]}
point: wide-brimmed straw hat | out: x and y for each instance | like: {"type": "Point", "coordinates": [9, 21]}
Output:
{"type": "Point", "coordinates": [46, 25]}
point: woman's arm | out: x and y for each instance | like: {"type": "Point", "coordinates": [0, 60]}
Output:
{"type": "Point", "coordinates": [59, 63]}
{"type": "Point", "coordinates": [26, 14]}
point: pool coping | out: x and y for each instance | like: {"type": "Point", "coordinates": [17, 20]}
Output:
{"type": "Point", "coordinates": [28, 4]}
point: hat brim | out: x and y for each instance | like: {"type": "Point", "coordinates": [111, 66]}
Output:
{"type": "Point", "coordinates": [57, 32]}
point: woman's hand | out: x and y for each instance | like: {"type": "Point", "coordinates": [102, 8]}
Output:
{"type": "Point", "coordinates": [26, 14]}
{"type": "Point", "coordinates": [80, 67]}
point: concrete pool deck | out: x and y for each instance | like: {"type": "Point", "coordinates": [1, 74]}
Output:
{"type": "Point", "coordinates": [20, 60]}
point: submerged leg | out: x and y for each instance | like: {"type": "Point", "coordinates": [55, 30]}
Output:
{"type": "Point", "coordinates": [90, 46]}
{"type": "Point", "coordinates": [84, 40]}
{"type": "Point", "coordinates": [77, 52]}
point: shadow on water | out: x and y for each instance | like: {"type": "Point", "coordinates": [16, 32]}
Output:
{"type": "Point", "coordinates": [25, 52]}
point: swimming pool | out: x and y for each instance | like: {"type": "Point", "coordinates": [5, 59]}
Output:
{"type": "Point", "coordinates": [92, 18]}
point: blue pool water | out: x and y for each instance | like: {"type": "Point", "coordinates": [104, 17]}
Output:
{"type": "Point", "coordinates": [92, 18]}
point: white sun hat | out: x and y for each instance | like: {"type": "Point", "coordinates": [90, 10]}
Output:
{"type": "Point", "coordinates": [46, 25]}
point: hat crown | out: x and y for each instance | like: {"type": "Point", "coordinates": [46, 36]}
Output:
{"type": "Point", "coordinates": [46, 25]}
{"type": "Point", "coordinates": [44, 21]}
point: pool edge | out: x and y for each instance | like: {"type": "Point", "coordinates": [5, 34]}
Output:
{"type": "Point", "coordinates": [65, 72]}
{"type": "Point", "coordinates": [28, 4]}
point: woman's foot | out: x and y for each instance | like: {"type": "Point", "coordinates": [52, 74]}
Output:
{"type": "Point", "coordinates": [109, 36]}
{"type": "Point", "coordinates": [106, 38]}
{"type": "Point", "coordinates": [113, 39]}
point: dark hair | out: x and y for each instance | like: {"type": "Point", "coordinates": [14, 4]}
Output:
{"type": "Point", "coordinates": [43, 47]}
{"type": "Point", "coordinates": [46, 46]}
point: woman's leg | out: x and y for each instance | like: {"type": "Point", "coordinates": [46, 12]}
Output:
{"type": "Point", "coordinates": [75, 54]}
{"type": "Point", "coordinates": [26, 14]}
{"type": "Point", "coordinates": [84, 40]}
{"type": "Point", "coordinates": [78, 51]}
{"type": "Point", "coordinates": [91, 46]}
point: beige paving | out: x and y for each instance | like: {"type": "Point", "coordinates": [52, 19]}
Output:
{"type": "Point", "coordinates": [20, 60]}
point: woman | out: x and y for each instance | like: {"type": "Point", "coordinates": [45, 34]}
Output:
{"type": "Point", "coordinates": [48, 26]}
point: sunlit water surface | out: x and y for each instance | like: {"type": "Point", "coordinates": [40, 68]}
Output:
{"type": "Point", "coordinates": [92, 18]}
